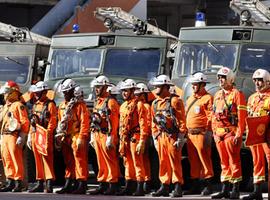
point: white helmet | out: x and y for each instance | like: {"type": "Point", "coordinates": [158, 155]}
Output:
{"type": "Point", "coordinates": [128, 84]}
{"type": "Point", "coordinates": [9, 87]}
{"type": "Point", "coordinates": [40, 86]}
{"type": "Point", "coordinates": [113, 89]}
{"type": "Point", "coordinates": [32, 88]}
{"type": "Point", "coordinates": [161, 80]}
{"type": "Point", "coordinates": [78, 92]}
{"type": "Point", "coordinates": [67, 85]}
{"type": "Point", "coordinates": [198, 77]}
{"type": "Point", "coordinates": [225, 71]}
{"type": "Point", "coordinates": [261, 73]}
{"type": "Point", "coordinates": [141, 88]}
{"type": "Point", "coordinates": [100, 81]}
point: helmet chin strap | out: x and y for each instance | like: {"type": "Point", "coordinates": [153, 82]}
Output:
{"type": "Point", "coordinates": [161, 92]}
{"type": "Point", "coordinates": [40, 96]}
{"type": "Point", "coordinates": [264, 88]}
{"type": "Point", "coordinates": [199, 88]}
{"type": "Point", "coordinates": [130, 94]}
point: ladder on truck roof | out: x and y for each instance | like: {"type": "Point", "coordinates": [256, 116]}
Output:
{"type": "Point", "coordinates": [119, 19]}
{"type": "Point", "coordinates": [259, 10]}
{"type": "Point", "coordinates": [15, 34]}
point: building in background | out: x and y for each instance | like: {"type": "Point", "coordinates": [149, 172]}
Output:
{"type": "Point", "coordinates": [169, 15]}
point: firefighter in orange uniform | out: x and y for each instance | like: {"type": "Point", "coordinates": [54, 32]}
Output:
{"type": "Point", "coordinates": [104, 136]}
{"type": "Point", "coordinates": [133, 134]}
{"type": "Point", "coordinates": [44, 114]}
{"type": "Point", "coordinates": [72, 136]}
{"type": "Point", "coordinates": [259, 105]}
{"type": "Point", "coordinates": [198, 111]}
{"type": "Point", "coordinates": [228, 124]}
{"type": "Point", "coordinates": [14, 130]}
{"type": "Point", "coordinates": [142, 95]}
{"type": "Point", "coordinates": [169, 131]}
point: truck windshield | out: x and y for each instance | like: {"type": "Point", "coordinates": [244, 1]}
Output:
{"type": "Point", "coordinates": [14, 68]}
{"type": "Point", "coordinates": [143, 63]}
{"type": "Point", "coordinates": [67, 63]}
{"type": "Point", "coordinates": [205, 57]}
{"type": "Point", "coordinates": [254, 56]}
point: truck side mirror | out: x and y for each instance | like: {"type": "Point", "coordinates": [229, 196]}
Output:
{"type": "Point", "coordinates": [42, 66]}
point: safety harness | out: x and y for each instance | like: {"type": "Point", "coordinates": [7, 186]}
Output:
{"type": "Point", "coordinates": [161, 115]}
{"type": "Point", "coordinates": [96, 117]}
{"type": "Point", "coordinates": [134, 129]}
{"type": "Point", "coordinates": [229, 110]}
{"type": "Point", "coordinates": [44, 114]}
{"type": "Point", "coordinates": [265, 110]}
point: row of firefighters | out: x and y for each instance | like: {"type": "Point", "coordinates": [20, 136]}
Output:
{"type": "Point", "coordinates": [125, 130]}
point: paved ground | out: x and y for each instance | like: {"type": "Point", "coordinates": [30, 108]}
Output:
{"type": "Point", "coordinates": [43, 196]}
{"type": "Point", "coordinates": [40, 196]}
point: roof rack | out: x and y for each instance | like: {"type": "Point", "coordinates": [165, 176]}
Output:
{"type": "Point", "coordinates": [115, 18]}
{"type": "Point", "coordinates": [15, 34]}
{"type": "Point", "coordinates": [259, 10]}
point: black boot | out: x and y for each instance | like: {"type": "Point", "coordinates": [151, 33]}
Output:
{"type": "Point", "coordinates": [256, 194]}
{"type": "Point", "coordinates": [81, 189]}
{"type": "Point", "coordinates": [224, 192]}
{"type": "Point", "coordinates": [67, 187]}
{"type": "Point", "coordinates": [208, 189]}
{"type": "Point", "coordinates": [49, 186]}
{"type": "Point", "coordinates": [39, 187]}
{"type": "Point", "coordinates": [147, 187]}
{"type": "Point", "coordinates": [162, 191]}
{"type": "Point", "coordinates": [18, 186]}
{"type": "Point", "coordinates": [195, 187]}
{"type": "Point", "coordinates": [113, 188]}
{"type": "Point", "coordinates": [235, 193]}
{"type": "Point", "coordinates": [129, 188]}
{"type": "Point", "coordinates": [10, 185]}
{"type": "Point", "coordinates": [177, 192]}
{"type": "Point", "coordinates": [100, 190]}
{"type": "Point", "coordinates": [139, 190]}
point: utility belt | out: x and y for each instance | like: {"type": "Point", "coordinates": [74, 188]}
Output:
{"type": "Point", "coordinates": [73, 133]}
{"type": "Point", "coordinates": [232, 118]}
{"type": "Point", "coordinates": [7, 132]}
{"type": "Point", "coordinates": [97, 128]}
{"type": "Point", "coordinates": [196, 131]}
{"type": "Point", "coordinates": [134, 134]}
{"type": "Point", "coordinates": [225, 132]}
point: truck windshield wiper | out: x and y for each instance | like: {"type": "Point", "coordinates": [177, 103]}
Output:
{"type": "Point", "coordinates": [144, 48]}
{"type": "Point", "coordinates": [216, 49]}
{"type": "Point", "coordinates": [213, 47]}
{"type": "Point", "coordinates": [13, 60]}
{"type": "Point", "coordinates": [85, 48]}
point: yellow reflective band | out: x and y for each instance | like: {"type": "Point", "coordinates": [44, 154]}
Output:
{"type": "Point", "coordinates": [257, 179]}
{"type": "Point", "coordinates": [235, 180]}
{"type": "Point", "coordinates": [242, 107]}
{"type": "Point", "coordinates": [225, 178]}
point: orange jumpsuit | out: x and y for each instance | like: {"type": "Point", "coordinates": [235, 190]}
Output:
{"type": "Point", "coordinates": [259, 105]}
{"type": "Point", "coordinates": [107, 158]}
{"type": "Point", "coordinates": [170, 167]}
{"type": "Point", "coordinates": [228, 121]}
{"type": "Point", "coordinates": [146, 160]}
{"type": "Point", "coordinates": [44, 164]}
{"type": "Point", "coordinates": [133, 128]}
{"type": "Point", "coordinates": [12, 155]}
{"type": "Point", "coordinates": [76, 160]}
{"type": "Point", "coordinates": [199, 144]}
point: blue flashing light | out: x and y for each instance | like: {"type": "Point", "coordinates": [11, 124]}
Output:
{"type": "Point", "coordinates": [75, 28]}
{"type": "Point", "coordinates": [200, 16]}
